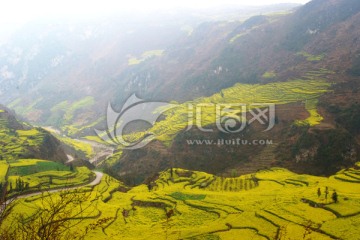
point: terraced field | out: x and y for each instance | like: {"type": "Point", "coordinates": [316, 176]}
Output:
{"type": "Point", "coordinates": [31, 175]}
{"type": "Point", "coordinates": [78, 145]}
{"type": "Point", "coordinates": [181, 204]}
{"type": "Point", "coordinates": [19, 143]}
{"type": "Point", "coordinates": [15, 144]}
{"type": "Point", "coordinates": [306, 90]}
{"type": "Point", "coordinates": [253, 96]}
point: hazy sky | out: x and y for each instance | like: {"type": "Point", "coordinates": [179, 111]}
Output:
{"type": "Point", "coordinates": [12, 11]}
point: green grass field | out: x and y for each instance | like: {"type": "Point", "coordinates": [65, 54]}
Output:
{"type": "Point", "coordinates": [270, 204]}
{"type": "Point", "coordinates": [29, 166]}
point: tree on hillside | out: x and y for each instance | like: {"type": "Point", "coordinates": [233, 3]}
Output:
{"type": "Point", "coordinates": [21, 185]}
{"type": "Point", "coordinates": [6, 206]}
{"type": "Point", "coordinates": [55, 217]}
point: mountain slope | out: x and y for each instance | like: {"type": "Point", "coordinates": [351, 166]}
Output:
{"type": "Point", "coordinates": [318, 42]}
{"type": "Point", "coordinates": [63, 72]}
{"type": "Point", "coordinates": [311, 55]}
{"type": "Point", "coordinates": [23, 141]}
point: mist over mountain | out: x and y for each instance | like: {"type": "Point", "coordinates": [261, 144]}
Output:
{"type": "Point", "coordinates": [64, 73]}
{"type": "Point", "coordinates": [101, 59]}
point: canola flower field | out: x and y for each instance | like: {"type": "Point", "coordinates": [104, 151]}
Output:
{"type": "Point", "coordinates": [182, 204]}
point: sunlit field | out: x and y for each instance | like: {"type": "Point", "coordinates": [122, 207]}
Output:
{"type": "Point", "coordinates": [33, 175]}
{"type": "Point", "coordinates": [306, 90]}
{"type": "Point", "coordinates": [181, 204]}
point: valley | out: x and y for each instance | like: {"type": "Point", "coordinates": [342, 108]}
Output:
{"type": "Point", "coordinates": [234, 122]}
